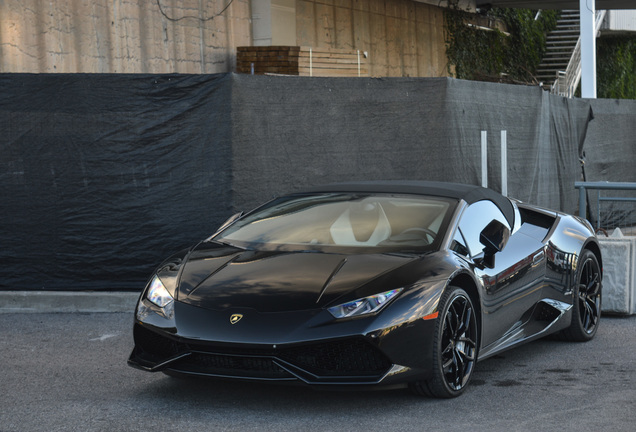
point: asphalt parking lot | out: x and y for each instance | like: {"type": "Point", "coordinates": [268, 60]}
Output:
{"type": "Point", "coordinates": [68, 372]}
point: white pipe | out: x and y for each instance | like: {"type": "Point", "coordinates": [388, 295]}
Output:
{"type": "Point", "coordinates": [484, 158]}
{"type": "Point", "coordinates": [504, 163]}
{"type": "Point", "coordinates": [588, 49]}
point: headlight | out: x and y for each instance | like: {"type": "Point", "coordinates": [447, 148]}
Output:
{"type": "Point", "coordinates": [363, 306]}
{"type": "Point", "coordinates": [158, 294]}
{"type": "Point", "coordinates": [157, 300]}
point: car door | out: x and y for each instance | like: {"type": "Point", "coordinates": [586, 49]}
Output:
{"type": "Point", "coordinates": [513, 286]}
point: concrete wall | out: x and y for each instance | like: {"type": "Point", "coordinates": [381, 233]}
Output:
{"type": "Point", "coordinates": [402, 37]}
{"type": "Point", "coordinates": [284, 22]}
{"type": "Point", "coordinates": [121, 36]}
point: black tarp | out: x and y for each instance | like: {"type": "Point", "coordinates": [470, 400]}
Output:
{"type": "Point", "coordinates": [102, 176]}
{"type": "Point", "coordinates": [319, 130]}
{"type": "Point", "coordinates": [610, 155]}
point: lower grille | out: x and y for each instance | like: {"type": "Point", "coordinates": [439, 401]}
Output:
{"type": "Point", "coordinates": [350, 357]}
{"type": "Point", "coordinates": [339, 358]}
{"type": "Point", "coordinates": [218, 364]}
{"type": "Point", "coordinates": [154, 345]}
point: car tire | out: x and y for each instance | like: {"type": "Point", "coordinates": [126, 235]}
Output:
{"type": "Point", "coordinates": [586, 308]}
{"type": "Point", "coordinates": [454, 347]}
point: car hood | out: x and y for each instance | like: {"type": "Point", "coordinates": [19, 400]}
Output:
{"type": "Point", "coordinates": [220, 277]}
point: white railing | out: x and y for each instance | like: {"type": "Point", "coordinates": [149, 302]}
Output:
{"type": "Point", "coordinates": [567, 81]}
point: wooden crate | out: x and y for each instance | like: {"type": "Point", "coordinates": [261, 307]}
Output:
{"type": "Point", "coordinates": [303, 61]}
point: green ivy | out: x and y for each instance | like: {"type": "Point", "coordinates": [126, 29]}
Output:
{"type": "Point", "coordinates": [616, 67]}
{"type": "Point", "coordinates": [491, 55]}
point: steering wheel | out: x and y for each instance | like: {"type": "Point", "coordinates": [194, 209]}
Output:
{"type": "Point", "coordinates": [420, 230]}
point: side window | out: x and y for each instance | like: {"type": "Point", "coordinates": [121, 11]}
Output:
{"type": "Point", "coordinates": [474, 220]}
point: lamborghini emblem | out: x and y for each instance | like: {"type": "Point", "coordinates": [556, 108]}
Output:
{"type": "Point", "coordinates": [235, 318]}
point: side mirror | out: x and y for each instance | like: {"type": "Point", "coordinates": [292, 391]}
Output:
{"type": "Point", "coordinates": [494, 238]}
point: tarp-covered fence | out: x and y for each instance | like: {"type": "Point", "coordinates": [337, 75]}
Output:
{"type": "Point", "coordinates": [610, 155]}
{"type": "Point", "coordinates": [293, 132]}
{"type": "Point", "coordinates": [102, 176]}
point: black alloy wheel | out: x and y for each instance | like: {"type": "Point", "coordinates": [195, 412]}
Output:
{"type": "Point", "coordinates": [586, 308]}
{"type": "Point", "coordinates": [454, 347]}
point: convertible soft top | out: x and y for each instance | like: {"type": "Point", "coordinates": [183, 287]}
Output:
{"type": "Point", "coordinates": [469, 193]}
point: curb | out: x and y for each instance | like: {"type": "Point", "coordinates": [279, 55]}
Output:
{"type": "Point", "coordinates": [66, 301]}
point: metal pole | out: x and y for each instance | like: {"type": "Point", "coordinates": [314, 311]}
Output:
{"type": "Point", "coordinates": [484, 158]}
{"type": "Point", "coordinates": [588, 49]}
{"type": "Point", "coordinates": [598, 209]}
{"type": "Point", "coordinates": [504, 163]}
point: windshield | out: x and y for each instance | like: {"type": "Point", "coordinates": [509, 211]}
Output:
{"type": "Point", "coordinates": [379, 222]}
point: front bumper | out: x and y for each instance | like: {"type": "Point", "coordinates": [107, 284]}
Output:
{"type": "Point", "coordinates": [306, 346]}
{"type": "Point", "coordinates": [348, 360]}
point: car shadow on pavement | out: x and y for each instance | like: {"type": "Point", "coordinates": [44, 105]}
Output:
{"type": "Point", "coordinates": [496, 371]}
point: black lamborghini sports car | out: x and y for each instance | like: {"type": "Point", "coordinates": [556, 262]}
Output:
{"type": "Point", "coordinates": [371, 283]}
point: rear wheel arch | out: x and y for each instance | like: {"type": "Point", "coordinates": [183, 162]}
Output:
{"type": "Point", "coordinates": [586, 302]}
{"type": "Point", "coordinates": [594, 247]}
